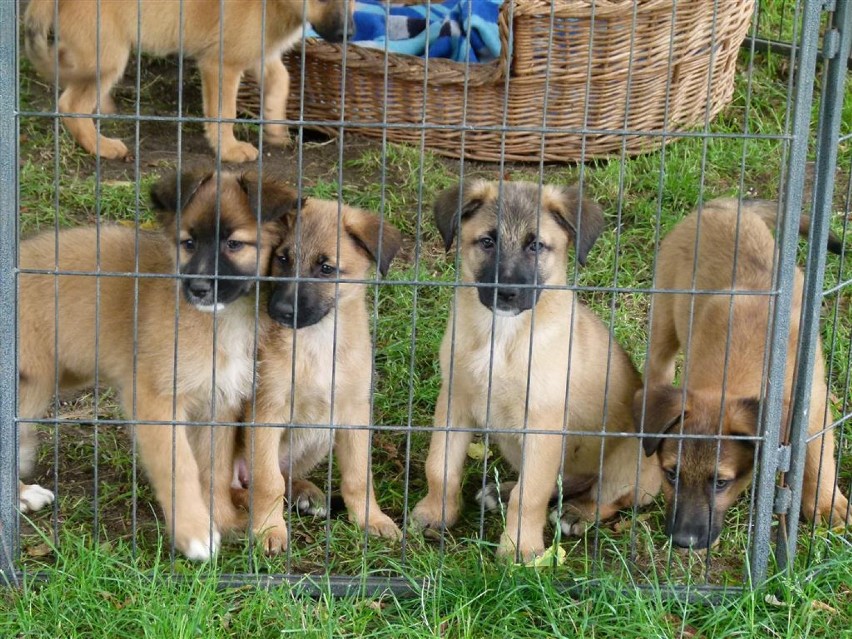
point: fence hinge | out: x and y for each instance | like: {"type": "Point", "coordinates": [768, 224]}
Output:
{"type": "Point", "coordinates": [783, 500]}
{"type": "Point", "coordinates": [830, 44]}
{"type": "Point", "coordinates": [782, 458]}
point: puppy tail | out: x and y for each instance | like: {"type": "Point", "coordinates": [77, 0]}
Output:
{"type": "Point", "coordinates": [767, 210]}
{"type": "Point", "coordinates": [39, 37]}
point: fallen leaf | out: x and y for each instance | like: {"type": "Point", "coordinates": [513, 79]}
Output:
{"type": "Point", "coordinates": [41, 550]}
{"type": "Point", "coordinates": [476, 450]}
{"type": "Point", "coordinates": [819, 605]}
{"type": "Point", "coordinates": [772, 600]}
{"type": "Point", "coordinates": [378, 606]}
{"type": "Point", "coordinates": [546, 560]}
{"type": "Point", "coordinates": [685, 631]}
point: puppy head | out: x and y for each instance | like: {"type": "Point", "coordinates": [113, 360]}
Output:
{"type": "Point", "coordinates": [515, 240]}
{"type": "Point", "coordinates": [329, 18]}
{"type": "Point", "coordinates": [703, 477]}
{"type": "Point", "coordinates": [314, 248]}
{"type": "Point", "coordinates": [217, 244]}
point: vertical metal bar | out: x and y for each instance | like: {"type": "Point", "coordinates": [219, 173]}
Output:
{"type": "Point", "coordinates": [8, 298]}
{"type": "Point", "coordinates": [788, 236]}
{"type": "Point", "coordinates": [826, 162]}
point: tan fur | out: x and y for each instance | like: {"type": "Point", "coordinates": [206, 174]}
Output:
{"type": "Point", "coordinates": [172, 337]}
{"type": "Point", "coordinates": [566, 335]}
{"type": "Point", "coordinates": [228, 44]}
{"type": "Point", "coordinates": [705, 342]}
{"type": "Point", "coordinates": [302, 363]}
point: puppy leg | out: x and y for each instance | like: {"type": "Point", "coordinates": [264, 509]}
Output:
{"type": "Point", "coordinates": [526, 513]}
{"type": "Point", "coordinates": [187, 518]}
{"type": "Point", "coordinates": [276, 89]}
{"type": "Point", "coordinates": [821, 497]}
{"type": "Point", "coordinates": [266, 485]}
{"type": "Point", "coordinates": [220, 135]}
{"type": "Point", "coordinates": [352, 448]}
{"type": "Point", "coordinates": [33, 400]}
{"type": "Point", "coordinates": [82, 97]}
{"type": "Point", "coordinates": [663, 341]}
{"type": "Point", "coordinates": [213, 447]}
{"type": "Point", "coordinates": [307, 498]}
{"type": "Point", "coordinates": [444, 464]}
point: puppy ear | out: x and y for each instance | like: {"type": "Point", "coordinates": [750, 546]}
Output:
{"type": "Point", "coordinates": [663, 407]}
{"type": "Point", "coordinates": [580, 217]}
{"type": "Point", "coordinates": [459, 203]}
{"type": "Point", "coordinates": [270, 199]}
{"type": "Point", "coordinates": [173, 192]}
{"type": "Point", "coordinates": [379, 240]}
{"type": "Point", "coordinates": [742, 415]}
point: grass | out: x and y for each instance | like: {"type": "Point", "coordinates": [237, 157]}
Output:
{"type": "Point", "coordinates": [116, 578]}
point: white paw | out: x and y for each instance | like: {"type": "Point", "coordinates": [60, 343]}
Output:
{"type": "Point", "coordinates": [570, 524]}
{"type": "Point", "coordinates": [203, 549]}
{"type": "Point", "coordinates": [34, 497]}
{"type": "Point", "coordinates": [489, 497]}
{"type": "Point", "coordinates": [304, 506]}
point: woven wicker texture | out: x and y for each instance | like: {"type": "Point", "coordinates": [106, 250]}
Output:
{"type": "Point", "coordinates": [577, 80]}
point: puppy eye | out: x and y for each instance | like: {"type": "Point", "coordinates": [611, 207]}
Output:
{"type": "Point", "coordinates": [721, 484]}
{"type": "Point", "coordinates": [283, 258]}
{"type": "Point", "coordinates": [486, 242]}
{"type": "Point", "coordinates": [535, 247]}
{"type": "Point", "coordinates": [188, 244]}
{"type": "Point", "coordinates": [234, 245]}
{"type": "Point", "coordinates": [671, 475]}
{"type": "Point", "coordinates": [327, 269]}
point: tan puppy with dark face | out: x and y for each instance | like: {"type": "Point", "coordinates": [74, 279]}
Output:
{"type": "Point", "coordinates": [532, 234]}
{"type": "Point", "coordinates": [226, 39]}
{"type": "Point", "coordinates": [315, 369]}
{"type": "Point", "coordinates": [709, 476]}
{"type": "Point", "coordinates": [171, 330]}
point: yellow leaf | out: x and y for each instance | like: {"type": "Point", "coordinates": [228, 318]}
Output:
{"type": "Point", "coordinates": [476, 450]}
{"type": "Point", "coordinates": [546, 560]}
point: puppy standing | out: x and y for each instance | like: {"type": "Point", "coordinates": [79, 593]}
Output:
{"type": "Point", "coordinates": [95, 37]}
{"type": "Point", "coordinates": [711, 476]}
{"type": "Point", "coordinates": [318, 352]}
{"type": "Point", "coordinates": [532, 230]}
{"type": "Point", "coordinates": [171, 374]}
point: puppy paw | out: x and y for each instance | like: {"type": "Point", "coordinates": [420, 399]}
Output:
{"type": "Point", "coordinates": [489, 497]}
{"type": "Point", "coordinates": [237, 152]}
{"type": "Point", "coordinates": [200, 548]}
{"type": "Point", "coordinates": [113, 149]}
{"type": "Point", "coordinates": [571, 524]}
{"type": "Point", "coordinates": [380, 525]}
{"type": "Point", "coordinates": [429, 514]}
{"type": "Point", "coordinates": [277, 135]}
{"type": "Point", "coordinates": [526, 551]}
{"type": "Point", "coordinates": [33, 497]}
{"type": "Point", "coordinates": [273, 539]}
{"type": "Point", "coordinates": [308, 499]}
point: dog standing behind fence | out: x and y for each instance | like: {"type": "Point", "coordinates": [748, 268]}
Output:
{"type": "Point", "coordinates": [726, 345]}
{"type": "Point", "coordinates": [162, 365]}
{"type": "Point", "coordinates": [315, 369]}
{"type": "Point", "coordinates": [88, 49]}
{"type": "Point", "coordinates": [553, 367]}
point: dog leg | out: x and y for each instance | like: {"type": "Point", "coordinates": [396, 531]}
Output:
{"type": "Point", "coordinates": [663, 342]}
{"type": "Point", "coordinates": [526, 513]}
{"type": "Point", "coordinates": [266, 486]}
{"type": "Point", "coordinates": [821, 497]}
{"type": "Point", "coordinates": [220, 135]}
{"type": "Point", "coordinates": [352, 448]}
{"type": "Point", "coordinates": [214, 450]}
{"type": "Point", "coordinates": [276, 89]}
{"type": "Point", "coordinates": [307, 498]}
{"type": "Point", "coordinates": [82, 97]}
{"type": "Point", "coordinates": [33, 400]}
{"type": "Point", "coordinates": [187, 518]}
{"type": "Point", "coordinates": [440, 507]}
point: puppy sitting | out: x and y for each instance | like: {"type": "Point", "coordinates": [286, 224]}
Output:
{"type": "Point", "coordinates": [186, 357]}
{"type": "Point", "coordinates": [523, 341]}
{"type": "Point", "coordinates": [92, 40]}
{"type": "Point", "coordinates": [726, 345]}
{"type": "Point", "coordinates": [315, 369]}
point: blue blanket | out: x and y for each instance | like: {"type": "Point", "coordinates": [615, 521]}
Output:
{"type": "Point", "coordinates": [461, 30]}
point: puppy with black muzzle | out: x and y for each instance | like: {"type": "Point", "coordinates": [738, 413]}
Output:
{"type": "Point", "coordinates": [183, 357]}
{"type": "Point", "coordinates": [728, 246]}
{"type": "Point", "coordinates": [88, 47]}
{"type": "Point", "coordinates": [314, 368]}
{"type": "Point", "coordinates": [512, 333]}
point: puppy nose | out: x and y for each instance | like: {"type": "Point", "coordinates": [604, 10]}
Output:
{"type": "Point", "coordinates": [283, 310]}
{"type": "Point", "coordinates": [684, 540]}
{"type": "Point", "coordinates": [507, 295]}
{"type": "Point", "coordinates": [200, 288]}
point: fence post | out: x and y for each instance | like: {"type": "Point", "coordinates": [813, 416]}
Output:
{"type": "Point", "coordinates": [787, 242]}
{"type": "Point", "coordinates": [8, 238]}
{"type": "Point", "coordinates": [837, 41]}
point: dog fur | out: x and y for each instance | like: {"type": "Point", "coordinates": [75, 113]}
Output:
{"type": "Point", "coordinates": [532, 228]}
{"type": "Point", "coordinates": [318, 349]}
{"type": "Point", "coordinates": [172, 375]}
{"type": "Point", "coordinates": [709, 479]}
{"type": "Point", "coordinates": [84, 58]}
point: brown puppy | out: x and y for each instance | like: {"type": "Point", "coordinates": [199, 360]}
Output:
{"type": "Point", "coordinates": [171, 331]}
{"type": "Point", "coordinates": [707, 478]}
{"type": "Point", "coordinates": [532, 229]}
{"type": "Point", "coordinates": [227, 39]}
{"type": "Point", "coordinates": [315, 369]}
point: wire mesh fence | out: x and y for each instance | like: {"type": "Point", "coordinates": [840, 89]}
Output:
{"type": "Point", "coordinates": [437, 309]}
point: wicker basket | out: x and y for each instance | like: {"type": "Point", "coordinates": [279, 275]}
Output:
{"type": "Point", "coordinates": [615, 68]}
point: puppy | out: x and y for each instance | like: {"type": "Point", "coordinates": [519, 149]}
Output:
{"type": "Point", "coordinates": [512, 244]}
{"type": "Point", "coordinates": [184, 355]}
{"type": "Point", "coordinates": [88, 49]}
{"type": "Point", "coordinates": [726, 347]}
{"type": "Point", "coordinates": [314, 368]}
